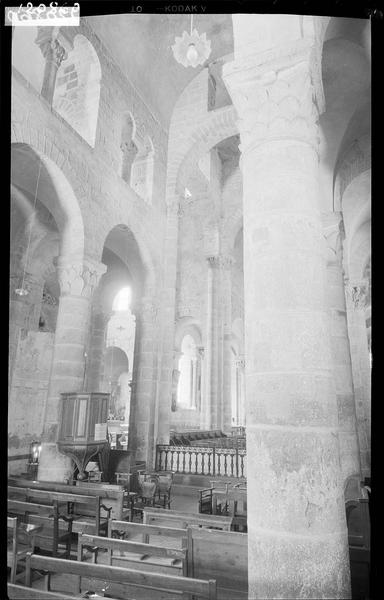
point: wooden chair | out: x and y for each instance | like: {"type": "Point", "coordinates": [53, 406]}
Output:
{"type": "Point", "coordinates": [164, 486]}
{"type": "Point", "coordinates": [145, 498]}
{"type": "Point", "coordinates": [205, 501]}
{"type": "Point", "coordinates": [20, 541]}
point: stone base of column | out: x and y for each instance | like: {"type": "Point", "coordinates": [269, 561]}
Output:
{"type": "Point", "coordinates": [54, 466]}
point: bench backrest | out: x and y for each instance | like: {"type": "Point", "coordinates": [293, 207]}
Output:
{"type": "Point", "coordinates": [128, 529]}
{"type": "Point", "coordinates": [131, 577]}
{"type": "Point", "coordinates": [21, 507]}
{"type": "Point", "coordinates": [20, 592]}
{"type": "Point", "coordinates": [113, 544]}
{"type": "Point", "coordinates": [183, 519]}
{"type": "Point", "coordinates": [111, 496]}
{"type": "Point", "coordinates": [222, 555]}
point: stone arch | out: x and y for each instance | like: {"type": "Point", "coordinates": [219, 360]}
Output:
{"type": "Point", "coordinates": [216, 127]}
{"type": "Point", "coordinates": [77, 90]}
{"type": "Point", "coordinates": [184, 326]}
{"type": "Point", "coordinates": [62, 203]}
{"type": "Point", "coordinates": [145, 260]}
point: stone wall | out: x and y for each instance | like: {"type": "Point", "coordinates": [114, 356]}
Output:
{"type": "Point", "coordinates": [28, 394]}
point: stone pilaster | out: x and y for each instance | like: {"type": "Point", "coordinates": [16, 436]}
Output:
{"type": "Point", "coordinates": [355, 294]}
{"type": "Point", "coordinates": [77, 283]}
{"type": "Point", "coordinates": [296, 519]}
{"type": "Point", "coordinates": [142, 411]}
{"type": "Point", "coordinates": [341, 355]}
{"type": "Point", "coordinates": [240, 367]}
{"type": "Point", "coordinates": [54, 53]}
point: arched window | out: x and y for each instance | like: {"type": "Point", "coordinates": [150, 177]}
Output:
{"type": "Point", "coordinates": [77, 91]}
{"type": "Point", "coordinates": [188, 384]}
{"type": "Point", "coordinates": [122, 301]}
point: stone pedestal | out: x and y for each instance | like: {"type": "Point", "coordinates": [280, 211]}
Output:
{"type": "Point", "coordinates": [297, 536]}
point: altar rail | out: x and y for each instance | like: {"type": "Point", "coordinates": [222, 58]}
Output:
{"type": "Point", "coordinates": [227, 462]}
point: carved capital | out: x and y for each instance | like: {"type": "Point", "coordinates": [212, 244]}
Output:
{"type": "Point", "coordinates": [333, 232]}
{"type": "Point", "coordinates": [220, 261]}
{"type": "Point", "coordinates": [357, 293]}
{"type": "Point", "coordinates": [201, 352]}
{"type": "Point", "coordinates": [53, 51]}
{"type": "Point", "coordinates": [80, 278]}
{"type": "Point", "coordinates": [240, 363]}
{"type": "Point", "coordinates": [275, 95]}
{"type": "Point", "coordinates": [148, 309]}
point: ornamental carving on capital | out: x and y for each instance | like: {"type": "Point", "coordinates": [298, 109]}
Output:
{"type": "Point", "coordinates": [53, 51]}
{"type": "Point", "coordinates": [201, 352]}
{"type": "Point", "coordinates": [220, 261]}
{"type": "Point", "coordinates": [79, 279]}
{"type": "Point", "coordinates": [240, 363]}
{"type": "Point", "coordinates": [357, 293]}
{"type": "Point", "coordinates": [276, 99]}
{"type": "Point", "coordinates": [148, 309]}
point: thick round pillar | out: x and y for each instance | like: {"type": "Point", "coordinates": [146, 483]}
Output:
{"type": "Point", "coordinates": [297, 535]}
{"type": "Point", "coordinates": [213, 350]}
{"type": "Point", "coordinates": [226, 313]}
{"type": "Point", "coordinates": [77, 283]}
{"type": "Point", "coordinates": [142, 412]}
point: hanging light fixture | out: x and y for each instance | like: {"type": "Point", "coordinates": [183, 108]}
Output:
{"type": "Point", "coordinates": [23, 290]}
{"type": "Point", "coordinates": [193, 49]}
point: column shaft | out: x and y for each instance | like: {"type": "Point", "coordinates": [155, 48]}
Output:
{"type": "Point", "coordinates": [297, 537]}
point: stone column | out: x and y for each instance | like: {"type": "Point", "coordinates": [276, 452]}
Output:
{"type": "Point", "coordinates": [54, 54]}
{"type": "Point", "coordinates": [142, 414]}
{"type": "Point", "coordinates": [297, 535]}
{"type": "Point", "coordinates": [77, 284]}
{"type": "Point", "coordinates": [226, 314]}
{"type": "Point", "coordinates": [356, 298]}
{"type": "Point", "coordinates": [97, 349]}
{"type": "Point", "coordinates": [213, 350]}
{"type": "Point", "coordinates": [166, 328]}
{"type": "Point", "coordinates": [341, 356]}
{"type": "Point", "coordinates": [175, 379]}
{"type": "Point", "coordinates": [240, 365]}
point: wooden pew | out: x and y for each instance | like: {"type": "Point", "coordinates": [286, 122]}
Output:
{"type": "Point", "coordinates": [132, 554]}
{"type": "Point", "coordinates": [222, 555]}
{"type": "Point", "coordinates": [123, 581]}
{"type": "Point", "coordinates": [20, 592]}
{"type": "Point", "coordinates": [111, 495]}
{"type": "Point", "coordinates": [180, 519]}
{"type": "Point", "coordinates": [232, 503]}
{"type": "Point", "coordinates": [44, 519]}
{"type": "Point", "coordinates": [83, 508]}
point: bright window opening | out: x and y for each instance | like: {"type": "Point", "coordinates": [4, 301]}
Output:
{"type": "Point", "coordinates": [123, 300]}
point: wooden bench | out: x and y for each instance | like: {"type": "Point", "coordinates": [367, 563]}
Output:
{"type": "Point", "coordinates": [21, 592]}
{"type": "Point", "coordinates": [123, 583]}
{"type": "Point", "coordinates": [44, 519]}
{"type": "Point", "coordinates": [133, 554]}
{"type": "Point", "coordinates": [222, 555]}
{"type": "Point", "coordinates": [84, 509]}
{"type": "Point", "coordinates": [183, 520]}
{"type": "Point", "coordinates": [111, 495]}
{"type": "Point", "coordinates": [231, 503]}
